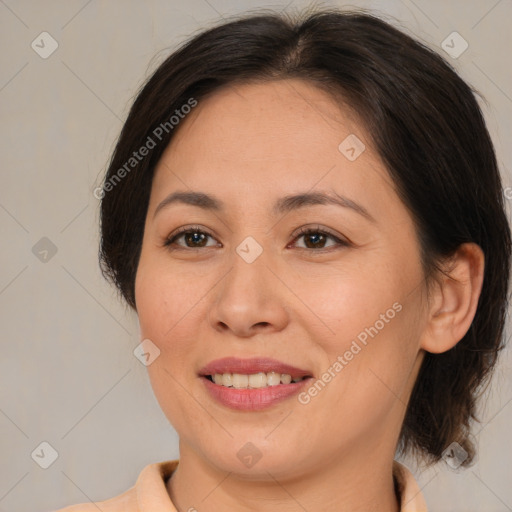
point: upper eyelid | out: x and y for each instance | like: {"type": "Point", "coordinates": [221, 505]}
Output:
{"type": "Point", "coordinates": [315, 228]}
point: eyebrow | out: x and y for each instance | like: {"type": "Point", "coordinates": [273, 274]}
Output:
{"type": "Point", "coordinates": [281, 206]}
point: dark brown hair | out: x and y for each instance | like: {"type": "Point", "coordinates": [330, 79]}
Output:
{"type": "Point", "coordinates": [424, 122]}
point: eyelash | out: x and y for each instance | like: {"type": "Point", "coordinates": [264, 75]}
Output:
{"type": "Point", "coordinates": [169, 241]}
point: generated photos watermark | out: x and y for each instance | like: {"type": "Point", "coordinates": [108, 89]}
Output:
{"type": "Point", "coordinates": [343, 360]}
{"type": "Point", "coordinates": [137, 156]}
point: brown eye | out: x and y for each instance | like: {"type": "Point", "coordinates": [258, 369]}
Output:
{"type": "Point", "coordinates": [316, 239]}
{"type": "Point", "coordinates": [194, 238]}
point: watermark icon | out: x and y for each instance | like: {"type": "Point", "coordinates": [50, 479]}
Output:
{"type": "Point", "coordinates": [137, 156]}
{"type": "Point", "coordinates": [146, 352]}
{"type": "Point", "coordinates": [44, 455]}
{"type": "Point", "coordinates": [507, 191]}
{"type": "Point", "coordinates": [44, 250]}
{"type": "Point", "coordinates": [343, 360]}
{"type": "Point", "coordinates": [454, 45]}
{"type": "Point", "coordinates": [249, 249]}
{"type": "Point", "coordinates": [44, 45]}
{"type": "Point", "coordinates": [249, 454]}
{"type": "Point", "coordinates": [454, 455]}
{"type": "Point", "coordinates": [351, 147]}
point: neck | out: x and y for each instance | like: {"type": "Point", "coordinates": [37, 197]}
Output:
{"type": "Point", "coordinates": [360, 481]}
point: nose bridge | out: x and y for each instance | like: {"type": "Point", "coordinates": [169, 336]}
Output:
{"type": "Point", "coordinates": [246, 282]}
{"type": "Point", "coordinates": [251, 252]}
{"type": "Point", "coordinates": [249, 294]}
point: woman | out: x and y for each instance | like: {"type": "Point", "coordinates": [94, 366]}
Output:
{"type": "Point", "coordinates": [307, 217]}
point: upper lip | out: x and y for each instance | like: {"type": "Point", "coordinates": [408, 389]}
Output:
{"type": "Point", "coordinates": [251, 366]}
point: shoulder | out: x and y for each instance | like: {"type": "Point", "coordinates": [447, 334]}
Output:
{"type": "Point", "coordinates": [127, 502]}
{"type": "Point", "coordinates": [149, 491]}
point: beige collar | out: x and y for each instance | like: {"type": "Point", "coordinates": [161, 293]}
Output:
{"type": "Point", "coordinates": [152, 495]}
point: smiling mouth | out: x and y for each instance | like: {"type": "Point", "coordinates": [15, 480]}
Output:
{"type": "Point", "coordinates": [253, 381]}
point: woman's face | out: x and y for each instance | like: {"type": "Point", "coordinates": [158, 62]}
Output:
{"type": "Point", "coordinates": [345, 303]}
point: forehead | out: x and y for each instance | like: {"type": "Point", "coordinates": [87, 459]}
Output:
{"type": "Point", "coordinates": [267, 139]}
{"type": "Point", "coordinates": [277, 119]}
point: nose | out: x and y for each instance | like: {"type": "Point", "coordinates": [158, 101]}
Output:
{"type": "Point", "coordinates": [250, 299]}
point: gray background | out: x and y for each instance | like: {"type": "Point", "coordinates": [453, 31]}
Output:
{"type": "Point", "coordinates": [67, 369]}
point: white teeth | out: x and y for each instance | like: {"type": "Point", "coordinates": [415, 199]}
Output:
{"type": "Point", "coordinates": [240, 381]}
{"type": "Point", "coordinates": [273, 379]}
{"type": "Point", "coordinates": [285, 378]}
{"type": "Point", "coordinates": [256, 380]}
{"type": "Point", "coordinates": [227, 379]}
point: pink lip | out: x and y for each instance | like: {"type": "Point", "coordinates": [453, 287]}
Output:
{"type": "Point", "coordinates": [251, 366]}
{"type": "Point", "coordinates": [252, 399]}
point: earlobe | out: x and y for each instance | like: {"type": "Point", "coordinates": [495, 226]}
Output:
{"type": "Point", "coordinates": [455, 300]}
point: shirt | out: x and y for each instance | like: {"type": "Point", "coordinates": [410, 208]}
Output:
{"type": "Point", "coordinates": [149, 494]}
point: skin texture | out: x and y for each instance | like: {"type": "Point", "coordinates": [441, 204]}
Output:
{"type": "Point", "coordinates": [250, 145]}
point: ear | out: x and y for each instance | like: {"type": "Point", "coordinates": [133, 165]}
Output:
{"type": "Point", "coordinates": [453, 303]}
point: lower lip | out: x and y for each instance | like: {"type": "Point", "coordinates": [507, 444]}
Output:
{"type": "Point", "coordinates": [253, 399]}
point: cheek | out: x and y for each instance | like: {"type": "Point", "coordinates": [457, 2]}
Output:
{"type": "Point", "coordinates": [373, 354]}
{"type": "Point", "coordinates": [167, 299]}
{"type": "Point", "coordinates": [367, 373]}
{"type": "Point", "coordinates": [162, 311]}
{"type": "Point", "coordinates": [166, 317]}
{"type": "Point", "coordinates": [373, 319]}
{"type": "Point", "coordinates": [154, 310]}
{"type": "Point", "coordinates": [345, 300]}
